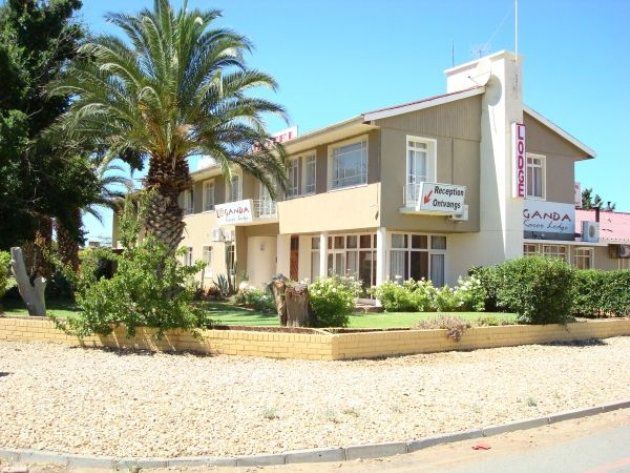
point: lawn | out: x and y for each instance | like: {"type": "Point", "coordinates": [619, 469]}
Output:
{"type": "Point", "coordinates": [227, 314]}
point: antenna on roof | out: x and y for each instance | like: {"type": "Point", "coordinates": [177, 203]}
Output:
{"type": "Point", "coordinates": [452, 53]}
{"type": "Point", "coordinates": [516, 27]}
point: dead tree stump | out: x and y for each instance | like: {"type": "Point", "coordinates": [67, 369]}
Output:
{"type": "Point", "coordinates": [278, 288]}
{"type": "Point", "coordinates": [299, 312]}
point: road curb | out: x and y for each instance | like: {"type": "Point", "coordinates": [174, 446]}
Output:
{"type": "Point", "coordinates": [353, 452]}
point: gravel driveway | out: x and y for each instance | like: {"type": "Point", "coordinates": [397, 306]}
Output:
{"type": "Point", "coordinates": [135, 404]}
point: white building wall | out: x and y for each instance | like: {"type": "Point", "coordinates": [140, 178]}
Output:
{"type": "Point", "coordinates": [501, 226]}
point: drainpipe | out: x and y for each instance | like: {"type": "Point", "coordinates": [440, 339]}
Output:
{"type": "Point", "coordinates": [597, 209]}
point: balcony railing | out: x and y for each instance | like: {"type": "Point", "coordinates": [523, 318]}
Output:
{"type": "Point", "coordinates": [265, 209]}
{"type": "Point", "coordinates": [411, 193]}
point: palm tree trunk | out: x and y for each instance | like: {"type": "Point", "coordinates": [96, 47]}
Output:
{"type": "Point", "coordinates": [165, 180]}
{"type": "Point", "coordinates": [35, 251]}
{"type": "Point", "coordinates": [68, 240]}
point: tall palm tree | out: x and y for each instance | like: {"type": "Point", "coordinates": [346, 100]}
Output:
{"type": "Point", "coordinates": [177, 87]}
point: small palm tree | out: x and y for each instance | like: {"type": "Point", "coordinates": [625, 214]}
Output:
{"type": "Point", "coordinates": [178, 87]}
{"type": "Point", "coordinates": [110, 188]}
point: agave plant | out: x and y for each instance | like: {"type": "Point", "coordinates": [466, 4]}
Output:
{"type": "Point", "coordinates": [176, 87]}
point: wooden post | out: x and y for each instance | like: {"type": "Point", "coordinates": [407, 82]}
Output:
{"type": "Point", "coordinates": [32, 293]}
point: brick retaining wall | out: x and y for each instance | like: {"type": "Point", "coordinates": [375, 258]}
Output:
{"type": "Point", "coordinates": [319, 346]}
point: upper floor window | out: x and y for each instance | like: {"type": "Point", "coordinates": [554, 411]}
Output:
{"type": "Point", "coordinates": [294, 178]}
{"type": "Point", "coordinates": [235, 190]}
{"type": "Point", "coordinates": [421, 159]}
{"type": "Point", "coordinates": [310, 170]}
{"type": "Point", "coordinates": [348, 164]}
{"type": "Point", "coordinates": [208, 195]}
{"type": "Point", "coordinates": [536, 176]}
{"type": "Point", "coordinates": [186, 201]}
{"type": "Point", "coordinates": [301, 172]}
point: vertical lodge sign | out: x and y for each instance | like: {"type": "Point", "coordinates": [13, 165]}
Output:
{"type": "Point", "coordinates": [519, 164]}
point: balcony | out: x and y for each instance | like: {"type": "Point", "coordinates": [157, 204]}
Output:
{"type": "Point", "coordinates": [247, 212]}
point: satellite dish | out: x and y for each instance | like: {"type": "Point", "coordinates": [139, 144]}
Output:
{"type": "Point", "coordinates": [483, 71]}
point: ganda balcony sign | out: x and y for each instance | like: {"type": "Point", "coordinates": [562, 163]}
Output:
{"type": "Point", "coordinates": [234, 212]}
{"type": "Point", "coordinates": [548, 217]}
{"type": "Point", "coordinates": [445, 198]}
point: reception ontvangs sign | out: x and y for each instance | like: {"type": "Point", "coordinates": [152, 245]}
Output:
{"type": "Point", "coordinates": [445, 198]}
{"type": "Point", "coordinates": [548, 217]}
{"type": "Point", "coordinates": [519, 164]}
{"type": "Point", "coordinates": [234, 212]}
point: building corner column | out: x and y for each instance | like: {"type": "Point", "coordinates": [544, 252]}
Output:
{"type": "Point", "coordinates": [382, 248]}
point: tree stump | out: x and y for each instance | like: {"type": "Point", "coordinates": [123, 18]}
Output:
{"type": "Point", "coordinates": [32, 292]}
{"type": "Point", "coordinates": [299, 312]}
{"type": "Point", "coordinates": [278, 288]}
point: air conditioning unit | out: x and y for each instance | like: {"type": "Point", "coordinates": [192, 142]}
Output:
{"type": "Point", "coordinates": [461, 216]}
{"type": "Point", "coordinates": [217, 235]}
{"type": "Point", "coordinates": [619, 251]}
{"type": "Point", "coordinates": [590, 232]}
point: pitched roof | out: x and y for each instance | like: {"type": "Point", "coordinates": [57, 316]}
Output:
{"type": "Point", "coordinates": [613, 226]}
{"type": "Point", "coordinates": [422, 103]}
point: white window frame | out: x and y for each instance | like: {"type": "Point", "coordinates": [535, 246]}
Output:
{"type": "Point", "coordinates": [590, 256]}
{"type": "Point", "coordinates": [330, 165]}
{"type": "Point", "coordinates": [207, 258]}
{"type": "Point", "coordinates": [556, 253]}
{"type": "Point", "coordinates": [206, 184]}
{"type": "Point", "coordinates": [187, 257]}
{"type": "Point", "coordinates": [409, 250]}
{"type": "Point", "coordinates": [292, 194]}
{"type": "Point", "coordinates": [228, 187]}
{"type": "Point", "coordinates": [543, 166]}
{"type": "Point", "coordinates": [431, 175]}
{"type": "Point", "coordinates": [333, 250]}
{"type": "Point", "coordinates": [188, 202]}
{"type": "Point", "coordinates": [305, 158]}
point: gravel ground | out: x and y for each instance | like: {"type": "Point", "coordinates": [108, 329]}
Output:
{"type": "Point", "coordinates": [137, 404]}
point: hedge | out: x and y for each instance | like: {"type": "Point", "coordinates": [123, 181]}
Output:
{"type": "Point", "coordinates": [601, 293]}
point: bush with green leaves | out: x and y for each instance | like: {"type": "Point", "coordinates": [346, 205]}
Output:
{"type": "Point", "coordinates": [600, 293]}
{"type": "Point", "coordinates": [422, 296]}
{"type": "Point", "coordinates": [254, 298]}
{"type": "Point", "coordinates": [149, 288]}
{"type": "Point", "coordinates": [332, 300]}
{"type": "Point", "coordinates": [539, 290]}
{"type": "Point", "coordinates": [5, 261]}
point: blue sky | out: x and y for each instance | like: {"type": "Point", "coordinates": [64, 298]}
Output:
{"type": "Point", "coordinates": [335, 59]}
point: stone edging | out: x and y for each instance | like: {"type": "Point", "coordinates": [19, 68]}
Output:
{"type": "Point", "coordinates": [300, 456]}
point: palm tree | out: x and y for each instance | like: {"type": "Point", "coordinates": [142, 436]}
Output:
{"type": "Point", "coordinates": [178, 87]}
{"type": "Point", "coordinates": [109, 194]}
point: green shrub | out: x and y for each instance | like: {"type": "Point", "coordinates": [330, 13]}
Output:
{"type": "Point", "coordinates": [5, 261]}
{"type": "Point", "coordinates": [601, 293]}
{"type": "Point", "coordinates": [254, 298]}
{"type": "Point", "coordinates": [395, 297]}
{"type": "Point", "coordinates": [138, 294]}
{"type": "Point", "coordinates": [332, 300]}
{"type": "Point", "coordinates": [539, 290]}
{"type": "Point", "coordinates": [422, 296]}
{"type": "Point", "coordinates": [149, 287]}
{"type": "Point", "coordinates": [489, 278]}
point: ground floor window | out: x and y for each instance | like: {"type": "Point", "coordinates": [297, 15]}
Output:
{"type": "Point", "coordinates": [416, 256]}
{"type": "Point", "coordinates": [556, 251]}
{"type": "Point", "coordinates": [186, 258]}
{"type": "Point", "coordinates": [353, 256]}
{"type": "Point", "coordinates": [207, 258]}
{"type": "Point", "coordinates": [314, 258]}
{"type": "Point", "coordinates": [583, 258]}
{"type": "Point", "coordinates": [230, 258]}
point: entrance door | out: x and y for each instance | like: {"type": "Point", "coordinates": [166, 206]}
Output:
{"type": "Point", "coordinates": [293, 262]}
